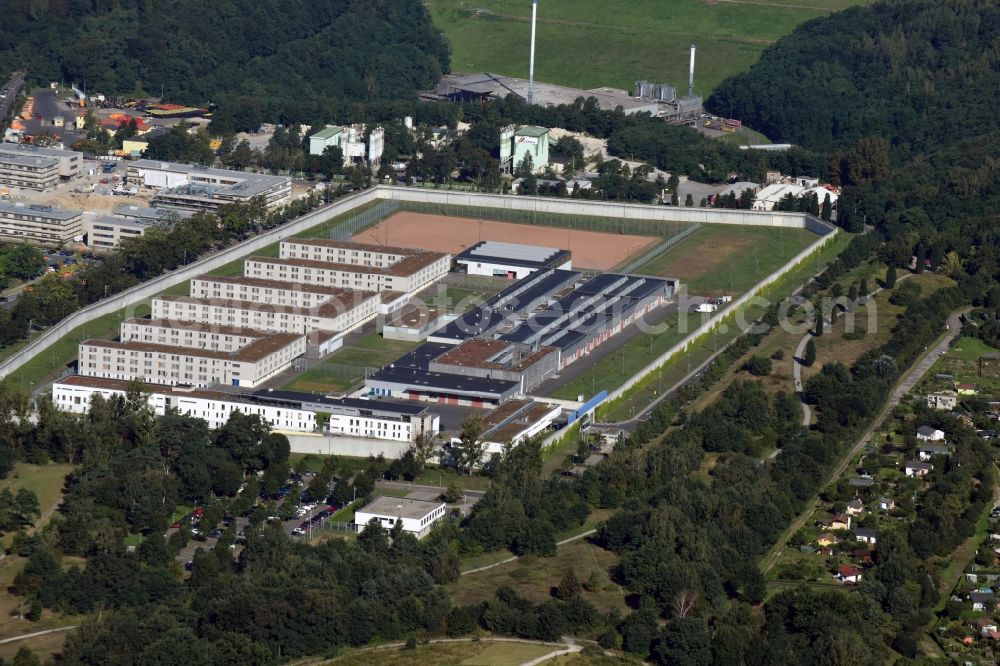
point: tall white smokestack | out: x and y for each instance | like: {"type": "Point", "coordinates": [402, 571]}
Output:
{"type": "Point", "coordinates": [531, 62]}
{"type": "Point", "coordinates": [691, 74]}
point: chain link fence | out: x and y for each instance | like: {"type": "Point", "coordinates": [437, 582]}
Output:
{"type": "Point", "coordinates": [614, 225]}
{"type": "Point", "coordinates": [634, 264]}
{"type": "Point", "coordinates": [366, 218]}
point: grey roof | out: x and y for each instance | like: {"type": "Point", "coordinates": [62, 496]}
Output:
{"type": "Point", "coordinates": [531, 130]}
{"type": "Point", "coordinates": [327, 132]}
{"type": "Point", "coordinates": [926, 430]}
{"type": "Point", "coordinates": [867, 532]}
{"type": "Point", "coordinates": [400, 507]}
{"type": "Point", "coordinates": [119, 221]}
{"type": "Point", "coordinates": [513, 254]}
{"type": "Point", "coordinates": [442, 382]}
{"type": "Point", "coordinates": [860, 482]}
{"type": "Point", "coordinates": [345, 405]}
{"type": "Point", "coordinates": [937, 449]}
{"type": "Point", "coordinates": [913, 464]}
{"type": "Point", "coordinates": [31, 149]}
{"type": "Point", "coordinates": [982, 596]}
{"type": "Point", "coordinates": [37, 161]}
{"type": "Point", "coordinates": [146, 213]}
{"type": "Point", "coordinates": [48, 212]}
{"type": "Point", "coordinates": [856, 503]}
{"type": "Point", "coordinates": [249, 184]}
{"type": "Point", "coordinates": [886, 500]}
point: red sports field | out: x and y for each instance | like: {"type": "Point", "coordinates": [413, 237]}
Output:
{"type": "Point", "coordinates": [591, 249]}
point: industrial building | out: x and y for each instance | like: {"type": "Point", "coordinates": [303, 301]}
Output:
{"type": "Point", "coordinates": [359, 417]}
{"type": "Point", "coordinates": [38, 224]}
{"type": "Point", "coordinates": [498, 359]}
{"type": "Point", "coordinates": [416, 517]}
{"type": "Point", "coordinates": [485, 86]}
{"type": "Point", "coordinates": [562, 309]}
{"type": "Point", "coordinates": [510, 260]}
{"type": "Point", "coordinates": [351, 142]}
{"type": "Point", "coordinates": [69, 163]}
{"type": "Point", "coordinates": [517, 143]}
{"type": "Point", "coordinates": [415, 383]}
{"type": "Point", "coordinates": [193, 187]}
{"type": "Point", "coordinates": [340, 314]}
{"type": "Point", "coordinates": [177, 365]}
{"type": "Point", "coordinates": [351, 265]}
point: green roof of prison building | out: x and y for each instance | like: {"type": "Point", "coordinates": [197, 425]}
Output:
{"type": "Point", "coordinates": [327, 132]}
{"type": "Point", "coordinates": [532, 131]}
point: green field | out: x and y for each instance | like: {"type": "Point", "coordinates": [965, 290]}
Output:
{"type": "Point", "coordinates": [727, 258]}
{"type": "Point", "coordinates": [593, 43]}
{"type": "Point", "coordinates": [472, 653]}
{"type": "Point", "coordinates": [345, 367]}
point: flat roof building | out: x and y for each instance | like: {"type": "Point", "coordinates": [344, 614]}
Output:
{"type": "Point", "coordinates": [38, 224]}
{"type": "Point", "coordinates": [416, 516]}
{"type": "Point", "coordinates": [516, 421]}
{"type": "Point", "coordinates": [358, 417]}
{"type": "Point", "coordinates": [420, 384]}
{"type": "Point", "coordinates": [278, 292]}
{"type": "Point", "coordinates": [498, 359]}
{"type": "Point", "coordinates": [148, 215]}
{"type": "Point", "coordinates": [76, 393]}
{"type": "Point", "coordinates": [194, 187]}
{"type": "Point", "coordinates": [30, 172]}
{"type": "Point", "coordinates": [510, 260]}
{"type": "Point", "coordinates": [104, 232]}
{"type": "Point", "coordinates": [69, 162]}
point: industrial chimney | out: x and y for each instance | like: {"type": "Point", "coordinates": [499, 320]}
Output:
{"type": "Point", "coordinates": [690, 74]}
{"type": "Point", "coordinates": [531, 62]}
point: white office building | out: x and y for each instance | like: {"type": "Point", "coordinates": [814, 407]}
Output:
{"type": "Point", "coordinates": [417, 516]}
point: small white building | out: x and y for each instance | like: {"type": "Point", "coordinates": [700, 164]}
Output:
{"type": "Point", "coordinates": [917, 469]}
{"type": "Point", "coordinates": [417, 516]}
{"type": "Point", "coordinates": [929, 434]}
{"type": "Point", "coordinates": [771, 196]}
{"type": "Point", "coordinates": [510, 260]}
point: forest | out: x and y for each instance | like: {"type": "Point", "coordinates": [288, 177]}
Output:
{"type": "Point", "coordinates": [254, 60]}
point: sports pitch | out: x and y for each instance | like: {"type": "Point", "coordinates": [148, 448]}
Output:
{"type": "Point", "coordinates": [591, 249]}
{"type": "Point", "coordinates": [723, 258]}
{"type": "Point", "coordinates": [594, 43]}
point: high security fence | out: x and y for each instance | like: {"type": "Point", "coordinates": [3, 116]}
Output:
{"type": "Point", "coordinates": [634, 265]}
{"type": "Point", "coordinates": [366, 218]}
{"type": "Point", "coordinates": [601, 223]}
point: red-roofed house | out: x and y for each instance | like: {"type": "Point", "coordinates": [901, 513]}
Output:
{"type": "Point", "coordinates": [848, 574]}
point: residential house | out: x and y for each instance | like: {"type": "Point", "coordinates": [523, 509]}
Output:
{"type": "Point", "coordinates": [825, 552]}
{"type": "Point", "coordinates": [863, 555]}
{"type": "Point", "coordinates": [855, 507]}
{"type": "Point", "coordinates": [886, 504]}
{"type": "Point", "coordinates": [827, 539]}
{"type": "Point", "coordinates": [865, 535]}
{"type": "Point", "coordinates": [929, 434]}
{"type": "Point", "coordinates": [848, 574]}
{"type": "Point", "coordinates": [946, 400]}
{"type": "Point", "coordinates": [840, 522]}
{"type": "Point", "coordinates": [983, 600]}
{"type": "Point", "coordinates": [966, 389]}
{"type": "Point", "coordinates": [928, 451]}
{"type": "Point", "coordinates": [985, 625]}
{"type": "Point", "coordinates": [965, 418]}
{"type": "Point", "coordinates": [977, 575]}
{"type": "Point", "coordinates": [915, 468]}
{"type": "Point", "coordinates": [987, 434]}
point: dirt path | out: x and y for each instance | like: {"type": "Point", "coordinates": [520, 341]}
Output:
{"type": "Point", "coordinates": [514, 558]}
{"type": "Point", "coordinates": [909, 380]}
{"type": "Point", "coordinates": [35, 634]}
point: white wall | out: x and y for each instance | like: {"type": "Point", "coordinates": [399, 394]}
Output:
{"type": "Point", "coordinates": [339, 445]}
